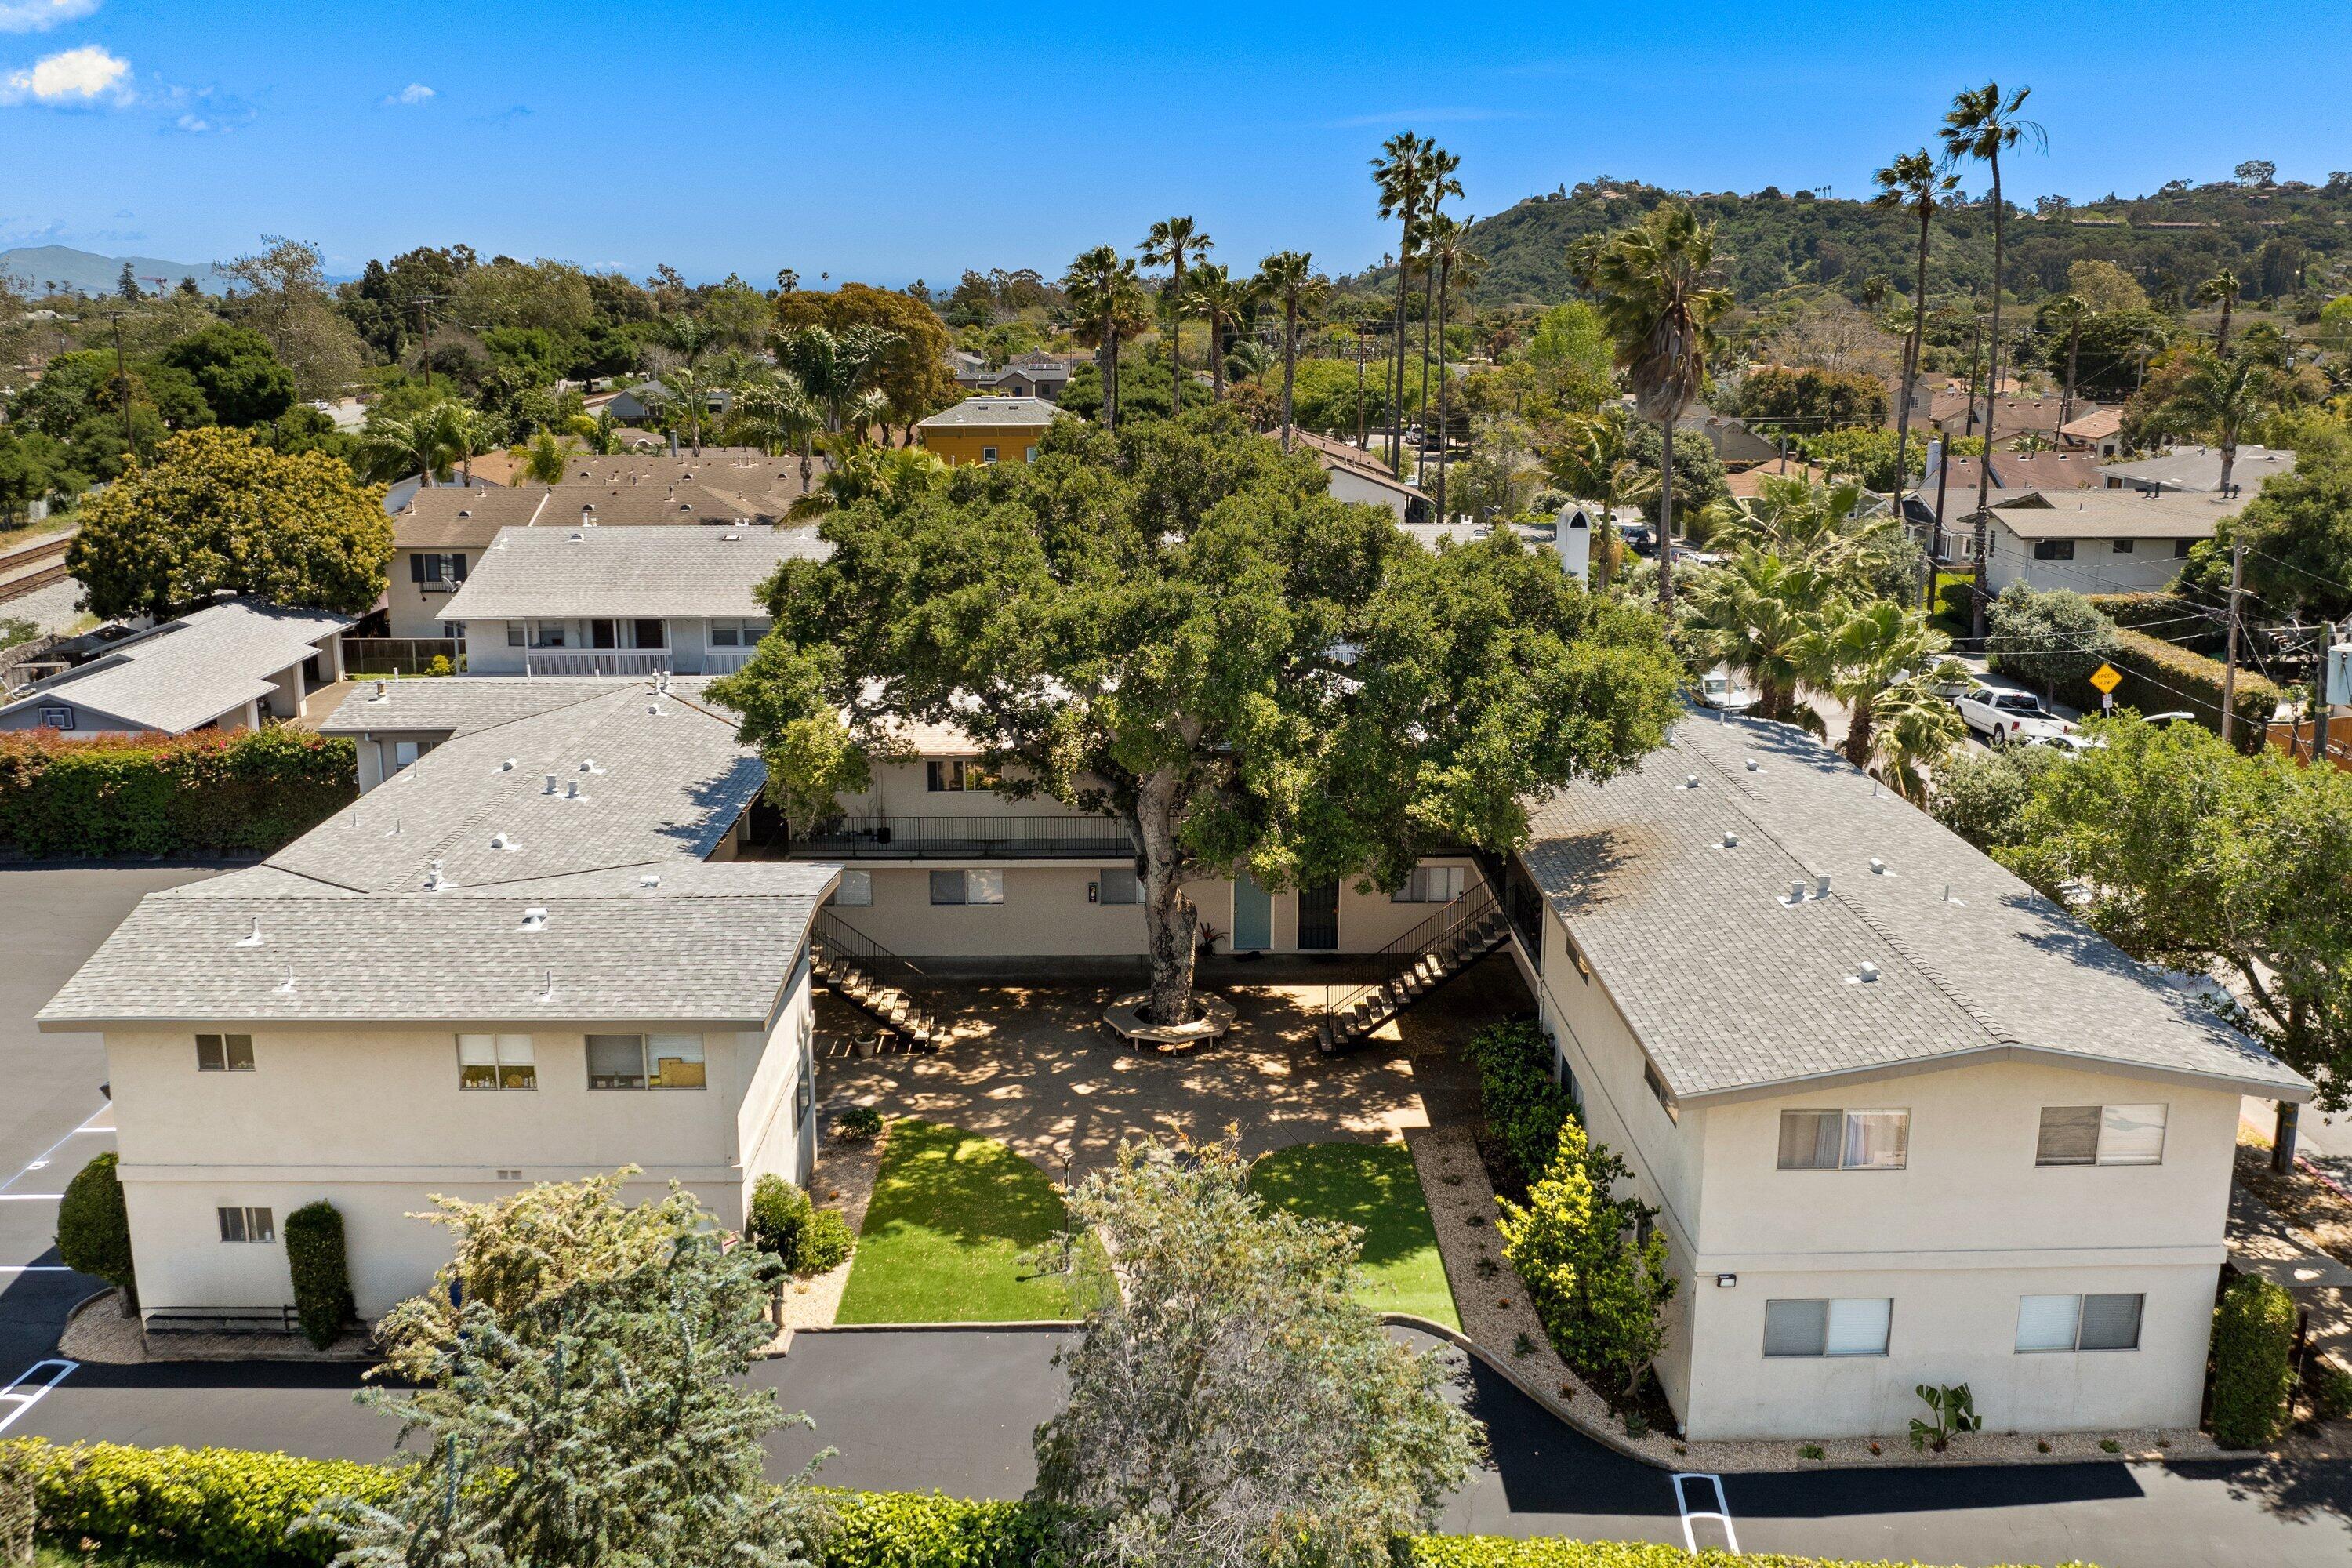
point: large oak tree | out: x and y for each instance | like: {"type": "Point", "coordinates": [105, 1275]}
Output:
{"type": "Point", "coordinates": [1178, 625]}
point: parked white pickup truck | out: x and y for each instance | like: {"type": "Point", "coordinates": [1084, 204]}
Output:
{"type": "Point", "coordinates": [2009, 718]}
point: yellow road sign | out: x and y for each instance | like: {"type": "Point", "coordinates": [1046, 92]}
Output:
{"type": "Point", "coordinates": [2106, 679]}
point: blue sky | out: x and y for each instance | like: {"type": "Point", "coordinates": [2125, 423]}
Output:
{"type": "Point", "coordinates": [892, 142]}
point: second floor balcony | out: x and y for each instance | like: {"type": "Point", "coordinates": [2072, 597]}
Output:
{"type": "Point", "coordinates": [965, 838]}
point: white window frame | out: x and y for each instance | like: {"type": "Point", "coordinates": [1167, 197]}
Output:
{"type": "Point", "coordinates": [1849, 1317]}
{"type": "Point", "coordinates": [243, 1225]}
{"type": "Point", "coordinates": [505, 1054]}
{"type": "Point", "coordinates": [230, 1048]}
{"type": "Point", "coordinates": [1850, 1124]}
{"type": "Point", "coordinates": [2114, 1122]}
{"type": "Point", "coordinates": [2074, 1345]}
{"type": "Point", "coordinates": [1431, 884]}
{"type": "Point", "coordinates": [649, 1059]}
{"type": "Point", "coordinates": [988, 456]}
{"type": "Point", "coordinates": [957, 776]}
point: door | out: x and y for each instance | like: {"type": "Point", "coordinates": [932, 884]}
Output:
{"type": "Point", "coordinates": [1318, 917]}
{"type": "Point", "coordinates": [602, 634]}
{"type": "Point", "coordinates": [1252, 916]}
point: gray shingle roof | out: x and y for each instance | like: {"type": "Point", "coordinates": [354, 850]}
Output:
{"type": "Point", "coordinates": [990, 413]}
{"type": "Point", "coordinates": [190, 671]}
{"type": "Point", "coordinates": [2199, 468]}
{"type": "Point", "coordinates": [622, 571]}
{"type": "Point", "coordinates": [461, 704]}
{"type": "Point", "coordinates": [2112, 515]}
{"type": "Point", "coordinates": [1731, 989]}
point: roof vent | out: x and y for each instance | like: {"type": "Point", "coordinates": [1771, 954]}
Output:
{"type": "Point", "coordinates": [1754, 767]}
{"type": "Point", "coordinates": [383, 688]}
{"type": "Point", "coordinates": [465, 512]}
{"type": "Point", "coordinates": [534, 919]}
{"type": "Point", "coordinates": [588, 766]}
{"type": "Point", "coordinates": [1730, 839]}
{"type": "Point", "coordinates": [286, 987]}
{"type": "Point", "coordinates": [1877, 867]}
{"type": "Point", "coordinates": [548, 994]}
{"type": "Point", "coordinates": [253, 937]}
{"type": "Point", "coordinates": [1690, 780]}
{"type": "Point", "coordinates": [576, 537]}
{"type": "Point", "coordinates": [572, 790]}
{"type": "Point", "coordinates": [434, 881]}
{"type": "Point", "coordinates": [653, 708]}
{"type": "Point", "coordinates": [548, 787]}
{"type": "Point", "coordinates": [508, 766]}
{"type": "Point", "coordinates": [395, 830]}
{"type": "Point", "coordinates": [1796, 893]}
{"type": "Point", "coordinates": [650, 879]}
{"type": "Point", "coordinates": [501, 841]}
{"type": "Point", "coordinates": [1822, 881]}
{"type": "Point", "coordinates": [728, 537]}
{"type": "Point", "coordinates": [1868, 974]}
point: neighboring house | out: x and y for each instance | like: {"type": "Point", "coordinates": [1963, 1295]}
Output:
{"type": "Point", "coordinates": [642, 404]}
{"type": "Point", "coordinates": [2198, 469]}
{"type": "Point", "coordinates": [398, 494]}
{"type": "Point", "coordinates": [594, 600]}
{"type": "Point", "coordinates": [1956, 414]}
{"type": "Point", "coordinates": [764, 485]}
{"type": "Point", "coordinates": [1735, 444]}
{"type": "Point", "coordinates": [1355, 475]}
{"type": "Point", "coordinates": [515, 963]}
{"type": "Point", "coordinates": [231, 664]}
{"type": "Point", "coordinates": [2094, 541]}
{"type": "Point", "coordinates": [1904, 1120]}
{"type": "Point", "coordinates": [987, 430]}
{"type": "Point", "coordinates": [1036, 374]}
{"type": "Point", "coordinates": [1950, 485]}
{"type": "Point", "coordinates": [2100, 432]}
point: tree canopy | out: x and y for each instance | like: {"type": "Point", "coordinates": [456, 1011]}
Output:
{"type": "Point", "coordinates": [219, 512]}
{"type": "Point", "coordinates": [1178, 625]}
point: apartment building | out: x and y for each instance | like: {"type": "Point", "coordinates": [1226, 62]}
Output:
{"type": "Point", "coordinates": [530, 956]}
{"type": "Point", "coordinates": [1904, 1120]}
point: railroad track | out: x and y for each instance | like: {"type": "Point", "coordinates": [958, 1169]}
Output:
{"type": "Point", "coordinates": [33, 566]}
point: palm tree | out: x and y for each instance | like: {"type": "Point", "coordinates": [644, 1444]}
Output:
{"type": "Point", "coordinates": [2221, 287]}
{"type": "Point", "coordinates": [422, 444]}
{"type": "Point", "coordinates": [855, 472]}
{"type": "Point", "coordinates": [1763, 616]}
{"type": "Point", "coordinates": [1441, 184]}
{"type": "Point", "coordinates": [834, 367]}
{"type": "Point", "coordinates": [1170, 243]}
{"type": "Point", "coordinates": [2068, 313]}
{"type": "Point", "coordinates": [1103, 290]}
{"type": "Point", "coordinates": [543, 461]}
{"type": "Point", "coordinates": [2219, 398]}
{"type": "Point", "coordinates": [1982, 124]}
{"type": "Point", "coordinates": [1596, 463]}
{"type": "Point", "coordinates": [1456, 263]}
{"type": "Point", "coordinates": [1912, 182]}
{"type": "Point", "coordinates": [780, 412]}
{"type": "Point", "coordinates": [1912, 730]}
{"type": "Point", "coordinates": [600, 435]}
{"type": "Point", "coordinates": [1821, 525]}
{"type": "Point", "coordinates": [1289, 275]}
{"type": "Point", "coordinates": [470, 434]}
{"type": "Point", "coordinates": [1856, 658]}
{"type": "Point", "coordinates": [1221, 300]}
{"type": "Point", "coordinates": [1402, 173]}
{"type": "Point", "coordinates": [1658, 304]}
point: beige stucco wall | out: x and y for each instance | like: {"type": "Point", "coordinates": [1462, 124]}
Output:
{"type": "Point", "coordinates": [407, 607]}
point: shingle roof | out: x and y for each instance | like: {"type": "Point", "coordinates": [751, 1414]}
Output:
{"type": "Point", "coordinates": [2018, 471]}
{"type": "Point", "coordinates": [190, 671]}
{"type": "Point", "coordinates": [444, 516]}
{"type": "Point", "coordinates": [993, 413]}
{"type": "Point", "coordinates": [461, 704]}
{"type": "Point", "coordinates": [575, 571]}
{"type": "Point", "coordinates": [2199, 468]}
{"type": "Point", "coordinates": [1733, 989]}
{"type": "Point", "coordinates": [2096, 424]}
{"type": "Point", "coordinates": [654, 493]}
{"type": "Point", "coordinates": [2112, 514]}
{"type": "Point", "coordinates": [1334, 454]}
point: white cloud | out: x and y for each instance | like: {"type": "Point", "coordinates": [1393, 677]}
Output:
{"type": "Point", "coordinates": [415, 92]}
{"type": "Point", "coordinates": [82, 76]}
{"type": "Point", "coordinates": [40, 15]}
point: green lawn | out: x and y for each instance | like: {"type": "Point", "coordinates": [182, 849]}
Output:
{"type": "Point", "coordinates": [944, 1241]}
{"type": "Point", "coordinates": [1371, 1185]}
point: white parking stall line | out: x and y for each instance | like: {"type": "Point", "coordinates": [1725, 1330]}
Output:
{"type": "Point", "coordinates": [47, 1154]}
{"type": "Point", "coordinates": [27, 1391]}
{"type": "Point", "coordinates": [1721, 1512]}
{"type": "Point", "coordinates": [34, 1268]}
{"type": "Point", "coordinates": [30, 1197]}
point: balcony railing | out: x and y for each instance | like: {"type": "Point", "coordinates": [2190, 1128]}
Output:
{"type": "Point", "coordinates": [724, 660]}
{"type": "Point", "coordinates": [598, 661]}
{"type": "Point", "coordinates": [965, 838]}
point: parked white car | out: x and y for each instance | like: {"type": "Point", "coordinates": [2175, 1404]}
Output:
{"type": "Point", "coordinates": [2007, 717]}
{"type": "Point", "coordinates": [2071, 742]}
{"type": "Point", "coordinates": [1722, 687]}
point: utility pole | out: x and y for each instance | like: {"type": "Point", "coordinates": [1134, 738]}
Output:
{"type": "Point", "coordinates": [424, 320]}
{"type": "Point", "coordinates": [2319, 714]}
{"type": "Point", "coordinates": [1363, 435]}
{"type": "Point", "coordinates": [122, 390]}
{"type": "Point", "coordinates": [2230, 665]}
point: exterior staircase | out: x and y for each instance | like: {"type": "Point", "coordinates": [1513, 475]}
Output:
{"type": "Point", "coordinates": [854, 965]}
{"type": "Point", "coordinates": [1433, 952]}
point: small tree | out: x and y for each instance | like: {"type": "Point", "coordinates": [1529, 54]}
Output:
{"type": "Point", "coordinates": [2253, 1346]}
{"type": "Point", "coordinates": [1231, 1401]}
{"type": "Point", "coordinates": [322, 1280]}
{"type": "Point", "coordinates": [1982, 795]}
{"type": "Point", "coordinates": [94, 1228]}
{"type": "Point", "coordinates": [2048, 639]}
{"type": "Point", "coordinates": [1595, 1270]}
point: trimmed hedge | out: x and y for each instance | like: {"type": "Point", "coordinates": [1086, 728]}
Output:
{"type": "Point", "coordinates": [2254, 1350]}
{"type": "Point", "coordinates": [322, 1275]}
{"type": "Point", "coordinates": [2167, 613]}
{"type": "Point", "coordinates": [209, 792]}
{"type": "Point", "coordinates": [2161, 679]}
{"type": "Point", "coordinates": [226, 1508]}
{"type": "Point", "coordinates": [1523, 1108]}
{"type": "Point", "coordinates": [94, 1227]}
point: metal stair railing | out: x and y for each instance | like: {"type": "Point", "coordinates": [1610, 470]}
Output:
{"type": "Point", "coordinates": [1434, 936]}
{"type": "Point", "coordinates": [838, 939]}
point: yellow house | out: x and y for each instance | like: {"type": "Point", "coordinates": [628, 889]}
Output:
{"type": "Point", "coordinates": [987, 430]}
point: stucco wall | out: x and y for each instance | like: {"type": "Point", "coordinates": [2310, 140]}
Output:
{"type": "Point", "coordinates": [2148, 567]}
{"type": "Point", "coordinates": [964, 443]}
{"type": "Point", "coordinates": [407, 607]}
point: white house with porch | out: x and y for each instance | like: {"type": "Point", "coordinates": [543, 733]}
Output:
{"type": "Point", "coordinates": [589, 601]}
{"type": "Point", "coordinates": [232, 665]}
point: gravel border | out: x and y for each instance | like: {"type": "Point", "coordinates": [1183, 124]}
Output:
{"type": "Point", "coordinates": [843, 1180]}
{"type": "Point", "coordinates": [98, 1334]}
{"type": "Point", "coordinates": [1497, 1317]}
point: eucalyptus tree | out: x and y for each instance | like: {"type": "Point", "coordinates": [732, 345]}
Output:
{"type": "Point", "coordinates": [1913, 184]}
{"type": "Point", "coordinates": [1658, 300]}
{"type": "Point", "coordinates": [1402, 172]}
{"type": "Point", "coordinates": [1982, 124]}
{"type": "Point", "coordinates": [1172, 242]}
{"type": "Point", "coordinates": [1290, 279]}
{"type": "Point", "coordinates": [1104, 292]}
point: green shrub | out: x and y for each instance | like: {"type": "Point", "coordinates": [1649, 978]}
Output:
{"type": "Point", "coordinates": [2253, 1344]}
{"type": "Point", "coordinates": [779, 1215]}
{"type": "Point", "coordinates": [322, 1280]}
{"type": "Point", "coordinates": [2168, 615]}
{"type": "Point", "coordinates": [212, 792]}
{"type": "Point", "coordinates": [94, 1228]}
{"type": "Point", "coordinates": [2161, 679]}
{"type": "Point", "coordinates": [858, 1124]}
{"type": "Point", "coordinates": [1522, 1106]}
{"type": "Point", "coordinates": [908, 1529]}
{"type": "Point", "coordinates": [220, 1507]}
{"type": "Point", "coordinates": [825, 1243]}
{"type": "Point", "coordinates": [2329, 1389]}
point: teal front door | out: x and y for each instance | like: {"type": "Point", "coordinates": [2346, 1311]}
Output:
{"type": "Point", "coordinates": [1252, 916]}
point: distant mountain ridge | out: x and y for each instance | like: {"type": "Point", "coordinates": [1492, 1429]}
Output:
{"type": "Point", "coordinates": [36, 267]}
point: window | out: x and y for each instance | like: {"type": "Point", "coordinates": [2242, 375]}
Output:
{"type": "Point", "coordinates": [856, 891]}
{"type": "Point", "coordinates": [404, 752]}
{"type": "Point", "coordinates": [1844, 1140]}
{"type": "Point", "coordinates": [496, 1061]}
{"type": "Point", "coordinates": [247, 1224]}
{"type": "Point", "coordinates": [2053, 550]}
{"type": "Point", "coordinates": [58, 717]}
{"type": "Point", "coordinates": [2101, 1135]}
{"type": "Point", "coordinates": [745, 633]}
{"type": "Point", "coordinates": [1855, 1325]}
{"type": "Point", "coordinates": [518, 634]}
{"type": "Point", "coordinates": [223, 1053]}
{"type": "Point", "coordinates": [2056, 1323]}
{"type": "Point", "coordinates": [1120, 885]}
{"type": "Point", "coordinates": [1029, 455]}
{"type": "Point", "coordinates": [956, 776]}
{"type": "Point", "coordinates": [988, 454]}
{"type": "Point", "coordinates": [645, 1061]}
{"type": "Point", "coordinates": [967, 887]}
{"type": "Point", "coordinates": [436, 573]}
{"type": "Point", "coordinates": [550, 634]}
{"type": "Point", "coordinates": [2180, 549]}
{"type": "Point", "coordinates": [804, 1091]}
{"type": "Point", "coordinates": [1430, 885]}
{"type": "Point", "coordinates": [1658, 1087]}
{"type": "Point", "coordinates": [2123, 546]}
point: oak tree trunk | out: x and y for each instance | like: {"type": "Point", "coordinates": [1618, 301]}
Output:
{"type": "Point", "coordinates": [1171, 923]}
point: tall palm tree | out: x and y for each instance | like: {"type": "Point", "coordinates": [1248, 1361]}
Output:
{"type": "Point", "coordinates": [1596, 463]}
{"type": "Point", "coordinates": [1454, 263]}
{"type": "Point", "coordinates": [1913, 728]}
{"type": "Point", "coordinates": [1911, 183]}
{"type": "Point", "coordinates": [1104, 291]}
{"type": "Point", "coordinates": [2219, 398]}
{"type": "Point", "coordinates": [1289, 277]}
{"type": "Point", "coordinates": [834, 367]}
{"type": "Point", "coordinates": [2069, 313]}
{"type": "Point", "coordinates": [1441, 184]}
{"type": "Point", "coordinates": [1658, 302]}
{"type": "Point", "coordinates": [1172, 242]}
{"type": "Point", "coordinates": [855, 472]}
{"type": "Point", "coordinates": [1857, 656]}
{"type": "Point", "coordinates": [1403, 172]}
{"type": "Point", "coordinates": [1222, 300]}
{"type": "Point", "coordinates": [780, 413]}
{"type": "Point", "coordinates": [1763, 618]}
{"type": "Point", "coordinates": [2222, 287]}
{"type": "Point", "coordinates": [1982, 124]}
